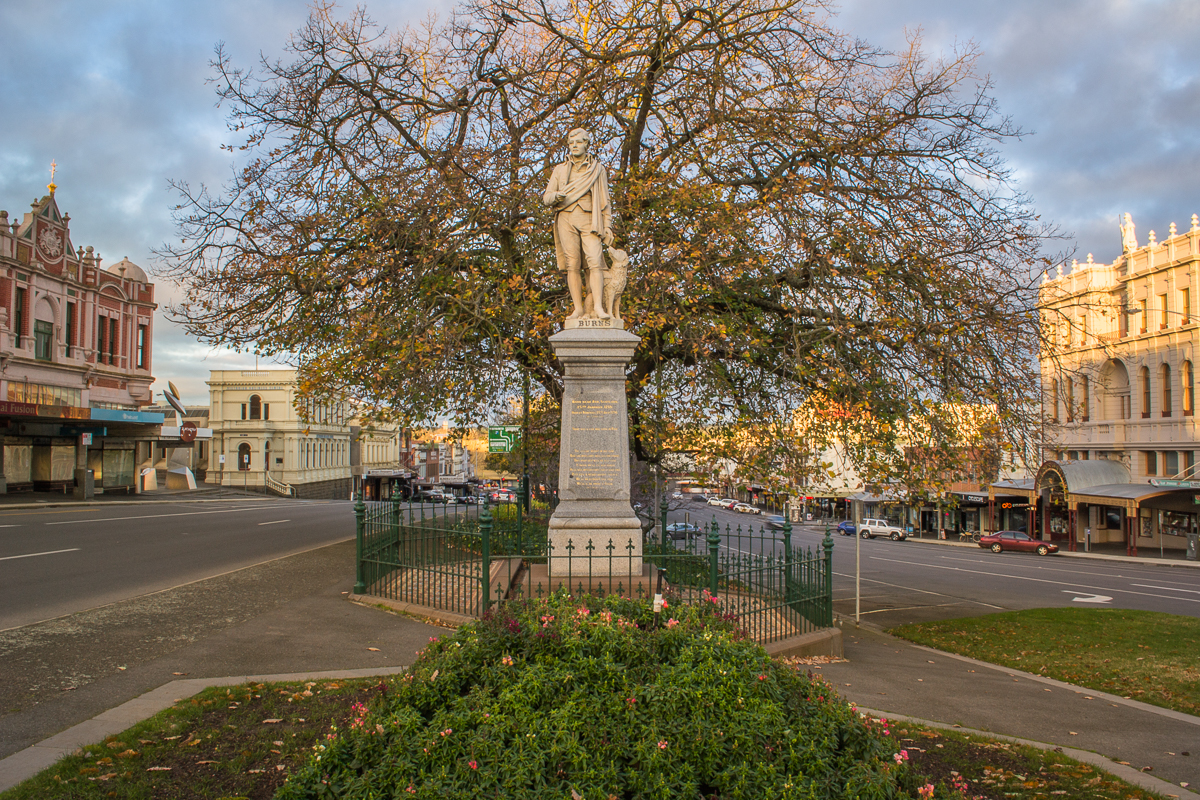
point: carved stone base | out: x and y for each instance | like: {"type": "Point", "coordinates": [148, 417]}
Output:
{"type": "Point", "coordinates": [591, 322]}
{"type": "Point", "coordinates": [593, 473]}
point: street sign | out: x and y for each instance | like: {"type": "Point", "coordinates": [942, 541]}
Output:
{"type": "Point", "coordinates": [503, 438]}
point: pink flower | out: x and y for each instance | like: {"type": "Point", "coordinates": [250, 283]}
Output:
{"type": "Point", "coordinates": [762, 677]}
{"type": "Point", "coordinates": [662, 745]}
{"type": "Point", "coordinates": [926, 792]}
{"type": "Point", "coordinates": [507, 661]}
{"type": "Point", "coordinates": [671, 623]}
{"type": "Point", "coordinates": [472, 765]}
{"type": "Point", "coordinates": [631, 700]}
{"type": "Point", "coordinates": [582, 612]}
{"type": "Point", "coordinates": [901, 756]}
{"type": "Point", "coordinates": [447, 732]}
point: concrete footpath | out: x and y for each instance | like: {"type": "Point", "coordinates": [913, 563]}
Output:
{"type": "Point", "coordinates": [74, 680]}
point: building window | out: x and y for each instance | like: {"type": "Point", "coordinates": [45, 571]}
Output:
{"type": "Point", "coordinates": [1144, 308]}
{"type": "Point", "coordinates": [1188, 381]}
{"type": "Point", "coordinates": [1145, 392]}
{"type": "Point", "coordinates": [244, 456]}
{"type": "Point", "coordinates": [1054, 400]}
{"type": "Point", "coordinates": [141, 347]}
{"type": "Point", "coordinates": [243, 410]}
{"type": "Point", "coordinates": [266, 455]}
{"type": "Point", "coordinates": [1171, 463]}
{"type": "Point", "coordinates": [1162, 320]}
{"type": "Point", "coordinates": [43, 339]}
{"type": "Point", "coordinates": [1189, 462]}
{"type": "Point", "coordinates": [20, 315]}
{"type": "Point", "coordinates": [255, 407]}
{"type": "Point", "coordinates": [266, 410]}
{"type": "Point", "coordinates": [1185, 306]}
{"type": "Point", "coordinates": [1070, 399]}
{"type": "Point", "coordinates": [1083, 331]}
{"type": "Point", "coordinates": [1164, 375]}
{"type": "Point", "coordinates": [1083, 410]}
{"type": "Point", "coordinates": [70, 329]}
{"type": "Point", "coordinates": [1151, 458]}
{"type": "Point", "coordinates": [112, 340]}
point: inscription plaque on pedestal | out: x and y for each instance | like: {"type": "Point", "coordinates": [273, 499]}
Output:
{"type": "Point", "coordinates": [594, 515]}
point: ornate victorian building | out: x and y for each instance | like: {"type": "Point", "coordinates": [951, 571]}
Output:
{"type": "Point", "coordinates": [1118, 375]}
{"type": "Point", "coordinates": [75, 359]}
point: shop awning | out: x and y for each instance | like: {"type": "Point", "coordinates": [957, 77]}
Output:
{"type": "Point", "coordinates": [1021, 487]}
{"type": "Point", "coordinates": [1122, 495]}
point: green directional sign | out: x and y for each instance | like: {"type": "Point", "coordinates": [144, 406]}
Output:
{"type": "Point", "coordinates": [504, 438]}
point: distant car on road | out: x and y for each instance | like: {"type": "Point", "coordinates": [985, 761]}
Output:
{"type": "Point", "coordinates": [683, 530]}
{"type": "Point", "coordinates": [870, 528]}
{"type": "Point", "coordinates": [775, 522]}
{"type": "Point", "coordinates": [1000, 541]}
{"type": "Point", "coordinates": [700, 498]}
{"type": "Point", "coordinates": [745, 508]}
{"type": "Point", "coordinates": [846, 528]}
{"type": "Point", "coordinates": [716, 501]}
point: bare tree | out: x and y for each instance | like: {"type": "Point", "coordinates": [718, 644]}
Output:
{"type": "Point", "coordinates": [812, 220]}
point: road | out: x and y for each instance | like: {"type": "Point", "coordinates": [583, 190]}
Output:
{"type": "Point", "coordinates": [916, 581]}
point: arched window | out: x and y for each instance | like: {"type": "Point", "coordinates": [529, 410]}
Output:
{"type": "Point", "coordinates": [1070, 399]}
{"type": "Point", "coordinates": [1145, 392]}
{"type": "Point", "coordinates": [1164, 375]}
{"type": "Point", "coordinates": [255, 407]}
{"type": "Point", "coordinates": [1083, 407]}
{"type": "Point", "coordinates": [1188, 380]}
{"type": "Point", "coordinates": [244, 456]}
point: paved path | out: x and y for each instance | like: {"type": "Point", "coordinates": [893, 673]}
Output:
{"type": "Point", "coordinates": [893, 676]}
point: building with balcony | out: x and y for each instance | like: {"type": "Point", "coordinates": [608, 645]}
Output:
{"type": "Point", "coordinates": [76, 343]}
{"type": "Point", "coordinates": [1118, 376]}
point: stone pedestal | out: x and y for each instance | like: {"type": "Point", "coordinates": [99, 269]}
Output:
{"type": "Point", "coordinates": [593, 471]}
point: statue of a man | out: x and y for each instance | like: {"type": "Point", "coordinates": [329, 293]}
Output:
{"type": "Point", "coordinates": [578, 193]}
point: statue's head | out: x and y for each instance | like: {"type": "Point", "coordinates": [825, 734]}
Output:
{"type": "Point", "coordinates": [578, 141]}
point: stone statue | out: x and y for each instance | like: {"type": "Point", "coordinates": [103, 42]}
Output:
{"type": "Point", "coordinates": [578, 193]}
{"type": "Point", "coordinates": [1128, 235]}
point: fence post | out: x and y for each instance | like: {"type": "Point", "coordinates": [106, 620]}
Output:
{"type": "Point", "coordinates": [789, 587]}
{"type": "Point", "coordinates": [360, 513]}
{"type": "Point", "coordinates": [485, 541]}
{"type": "Point", "coordinates": [828, 599]}
{"type": "Point", "coordinates": [714, 542]}
{"type": "Point", "coordinates": [662, 525]}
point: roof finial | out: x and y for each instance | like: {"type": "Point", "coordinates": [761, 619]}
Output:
{"type": "Point", "coordinates": [52, 186]}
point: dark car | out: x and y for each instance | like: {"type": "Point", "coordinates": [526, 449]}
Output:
{"type": "Point", "coordinates": [683, 530]}
{"type": "Point", "coordinates": [1000, 541]}
{"type": "Point", "coordinates": [846, 528]}
{"type": "Point", "coordinates": [775, 522]}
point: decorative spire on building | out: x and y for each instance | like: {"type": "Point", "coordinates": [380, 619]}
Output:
{"type": "Point", "coordinates": [1171, 232]}
{"type": "Point", "coordinates": [52, 185]}
{"type": "Point", "coordinates": [1153, 241]}
{"type": "Point", "coordinates": [1195, 222]}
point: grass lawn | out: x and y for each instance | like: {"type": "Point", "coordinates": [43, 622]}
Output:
{"type": "Point", "coordinates": [1144, 655]}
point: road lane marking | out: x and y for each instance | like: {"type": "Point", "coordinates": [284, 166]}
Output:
{"type": "Point", "coordinates": [47, 553]}
{"type": "Point", "coordinates": [1089, 598]}
{"type": "Point", "coordinates": [1042, 566]}
{"type": "Point", "coordinates": [10, 526]}
{"type": "Point", "coordinates": [1036, 580]}
{"type": "Point", "coordinates": [274, 522]}
{"type": "Point", "coordinates": [921, 591]}
{"type": "Point", "coordinates": [158, 516]}
{"type": "Point", "coordinates": [1165, 588]}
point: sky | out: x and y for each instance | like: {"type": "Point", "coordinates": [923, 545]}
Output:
{"type": "Point", "coordinates": [116, 93]}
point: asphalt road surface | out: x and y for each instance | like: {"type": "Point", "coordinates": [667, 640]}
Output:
{"type": "Point", "coordinates": [916, 581]}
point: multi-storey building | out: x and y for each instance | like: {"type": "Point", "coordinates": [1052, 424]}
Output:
{"type": "Point", "coordinates": [75, 359]}
{"type": "Point", "coordinates": [266, 437]}
{"type": "Point", "coordinates": [1118, 373]}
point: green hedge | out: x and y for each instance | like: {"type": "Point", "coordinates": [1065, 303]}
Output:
{"type": "Point", "coordinates": [598, 699]}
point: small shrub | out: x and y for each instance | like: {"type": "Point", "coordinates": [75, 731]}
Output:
{"type": "Point", "coordinates": [602, 699]}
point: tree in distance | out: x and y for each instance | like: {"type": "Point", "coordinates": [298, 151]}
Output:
{"type": "Point", "coordinates": [813, 222]}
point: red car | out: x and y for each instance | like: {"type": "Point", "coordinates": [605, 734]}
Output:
{"type": "Point", "coordinates": [1000, 541]}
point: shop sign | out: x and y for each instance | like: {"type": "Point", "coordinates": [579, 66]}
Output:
{"type": "Point", "coordinates": [22, 409]}
{"type": "Point", "coordinates": [1173, 484]}
{"type": "Point", "coordinates": [1016, 505]}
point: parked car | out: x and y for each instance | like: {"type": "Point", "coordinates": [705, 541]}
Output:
{"type": "Point", "coordinates": [716, 501]}
{"type": "Point", "coordinates": [846, 528]}
{"type": "Point", "coordinates": [1000, 541]}
{"type": "Point", "coordinates": [729, 503]}
{"type": "Point", "coordinates": [870, 528]}
{"type": "Point", "coordinates": [774, 522]}
{"type": "Point", "coordinates": [746, 508]}
{"type": "Point", "coordinates": [700, 498]}
{"type": "Point", "coordinates": [683, 530]}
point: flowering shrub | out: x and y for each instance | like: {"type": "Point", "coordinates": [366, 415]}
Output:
{"type": "Point", "coordinates": [599, 698]}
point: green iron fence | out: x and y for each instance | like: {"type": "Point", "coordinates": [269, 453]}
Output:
{"type": "Point", "coordinates": [465, 559]}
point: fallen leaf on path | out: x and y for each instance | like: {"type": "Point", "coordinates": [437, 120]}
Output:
{"type": "Point", "coordinates": [373, 649]}
{"type": "Point", "coordinates": [179, 673]}
{"type": "Point", "coordinates": [158, 769]}
{"type": "Point", "coordinates": [271, 721]}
